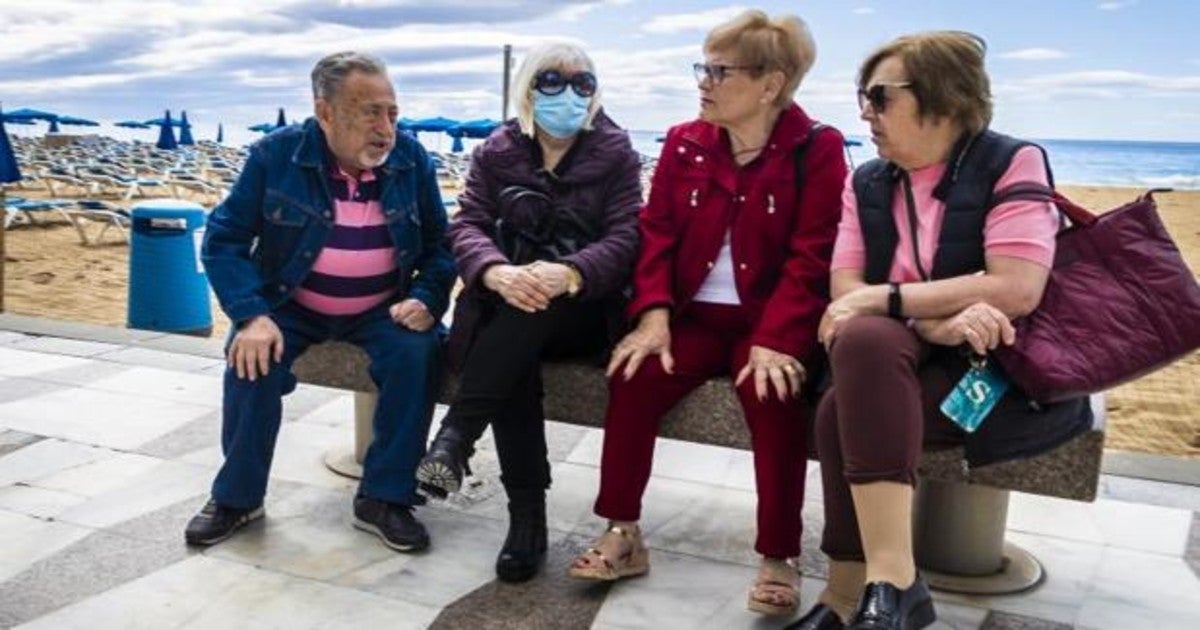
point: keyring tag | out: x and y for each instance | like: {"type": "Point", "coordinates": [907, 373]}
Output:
{"type": "Point", "coordinates": [975, 394]}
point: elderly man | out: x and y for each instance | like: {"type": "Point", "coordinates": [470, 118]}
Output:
{"type": "Point", "coordinates": [333, 231]}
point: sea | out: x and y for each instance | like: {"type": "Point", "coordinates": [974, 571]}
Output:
{"type": "Point", "coordinates": [1137, 164]}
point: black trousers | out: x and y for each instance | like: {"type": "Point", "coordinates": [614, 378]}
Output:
{"type": "Point", "coordinates": [501, 382]}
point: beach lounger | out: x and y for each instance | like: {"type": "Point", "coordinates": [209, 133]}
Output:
{"type": "Point", "coordinates": [109, 215]}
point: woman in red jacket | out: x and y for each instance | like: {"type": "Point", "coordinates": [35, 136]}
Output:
{"type": "Point", "coordinates": [731, 280]}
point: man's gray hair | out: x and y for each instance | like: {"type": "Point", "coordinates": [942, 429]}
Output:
{"type": "Point", "coordinates": [331, 71]}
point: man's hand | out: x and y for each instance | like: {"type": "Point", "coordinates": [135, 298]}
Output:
{"type": "Point", "coordinates": [254, 346]}
{"type": "Point", "coordinates": [652, 336]}
{"type": "Point", "coordinates": [412, 314]}
{"type": "Point", "coordinates": [779, 369]}
{"type": "Point", "coordinates": [519, 286]}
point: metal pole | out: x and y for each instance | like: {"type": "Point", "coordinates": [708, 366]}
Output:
{"type": "Point", "coordinates": [507, 71]}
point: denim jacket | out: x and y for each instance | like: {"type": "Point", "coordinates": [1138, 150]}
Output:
{"type": "Point", "coordinates": [262, 240]}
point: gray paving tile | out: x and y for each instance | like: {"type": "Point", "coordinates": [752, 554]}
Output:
{"type": "Point", "coordinates": [201, 433]}
{"type": "Point", "coordinates": [1149, 492]}
{"type": "Point", "coordinates": [160, 359]}
{"type": "Point", "coordinates": [93, 565]}
{"type": "Point", "coordinates": [308, 398]}
{"type": "Point", "coordinates": [8, 337]}
{"type": "Point", "coordinates": [14, 440]}
{"type": "Point", "coordinates": [164, 525]}
{"type": "Point", "coordinates": [211, 348]}
{"type": "Point", "coordinates": [1008, 621]}
{"type": "Point", "coordinates": [59, 345]}
{"type": "Point", "coordinates": [17, 388]}
{"type": "Point", "coordinates": [549, 601]}
{"type": "Point", "coordinates": [1192, 555]}
{"type": "Point", "coordinates": [83, 374]}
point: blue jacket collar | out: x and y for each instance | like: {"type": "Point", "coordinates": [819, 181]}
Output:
{"type": "Point", "coordinates": [312, 150]}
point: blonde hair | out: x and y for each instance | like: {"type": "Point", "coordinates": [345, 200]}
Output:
{"type": "Point", "coordinates": [947, 74]}
{"type": "Point", "coordinates": [782, 44]}
{"type": "Point", "coordinates": [550, 56]}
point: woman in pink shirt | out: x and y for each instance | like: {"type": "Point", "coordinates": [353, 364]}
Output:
{"type": "Point", "coordinates": [930, 265]}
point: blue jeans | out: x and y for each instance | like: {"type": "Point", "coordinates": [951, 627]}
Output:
{"type": "Point", "coordinates": [406, 368]}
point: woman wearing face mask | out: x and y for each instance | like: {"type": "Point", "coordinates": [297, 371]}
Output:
{"type": "Point", "coordinates": [731, 281]}
{"type": "Point", "coordinates": [545, 239]}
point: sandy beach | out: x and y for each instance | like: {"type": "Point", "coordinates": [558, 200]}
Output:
{"type": "Point", "coordinates": [49, 273]}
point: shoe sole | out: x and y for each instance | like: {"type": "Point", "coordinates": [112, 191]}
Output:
{"type": "Point", "coordinates": [244, 521]}
{"type": "Point", "coordinates": [921, 616]}
{"type": "Point", "coordinates": [436, 479]}
{"type": "Point", "coordinates": [372, 529]}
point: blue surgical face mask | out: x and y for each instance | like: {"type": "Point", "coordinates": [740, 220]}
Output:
{"type": "Point", "coordinates": [561, 115]}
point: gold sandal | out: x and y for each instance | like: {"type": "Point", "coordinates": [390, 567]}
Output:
{"type": "Point", "coordinates": [633, 562]}
{"type": "Point", "coordinates": [767, 593]}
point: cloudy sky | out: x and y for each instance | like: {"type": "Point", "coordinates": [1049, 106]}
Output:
{"type": "Point", "coordinates": [1089, 69]}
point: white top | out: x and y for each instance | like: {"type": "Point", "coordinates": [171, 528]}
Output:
{"type": "Point", "coordinates": [719, 287]}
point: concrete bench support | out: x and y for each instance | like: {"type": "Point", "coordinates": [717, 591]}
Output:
{"type": "Point", "coordinates": [960, 516]}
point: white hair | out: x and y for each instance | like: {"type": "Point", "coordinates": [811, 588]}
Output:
{"type": "Point", "coordinates": [549, 56]}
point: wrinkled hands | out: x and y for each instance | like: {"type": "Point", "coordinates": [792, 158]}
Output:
{"type": "Point", "coordinates": [980, 325]}
{"type": "Point", "coordinates": [528, 287]}
{"type": "Point", "coordinates": [412, 314]}
{"type": "Point", "coordinates": [255, 345]}
{"type": "Point", "coordinates": [780, 370]}
{"type": "Point", "coordinates": [861, 301]}
{"type": "Point", "coordinates": [652, 336]}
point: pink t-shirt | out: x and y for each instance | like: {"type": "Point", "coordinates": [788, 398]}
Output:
{"type": "Point", "coordinates": [1020, 229]}
{"type": "Point", "coordinates": [356, 270]}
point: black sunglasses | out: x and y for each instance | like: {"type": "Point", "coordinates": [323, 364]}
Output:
{"type": "Point", "coordinates": [553, 82]}
{"type": "Point", "coordinates": [716, 72]}
{"type": "Point", "coordinates": [877, 96]}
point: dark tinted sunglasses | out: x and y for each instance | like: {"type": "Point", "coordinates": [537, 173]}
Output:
{"type": "Point", "coordinates": [877, 96]}
{"type": "Point", "coordinates": [553, 82]}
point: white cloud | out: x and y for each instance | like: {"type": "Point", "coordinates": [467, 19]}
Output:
{"type": "Point", "coordinates": [1099, 84]}
{"type": "Point", "coordinates": [694, 21]}
{"type": "Point", "coordinates": [1116, 6]}
{"type": "Point", "coordinates": [864, 11]}
{"type": "Point", "coordinates": [1034, 54]}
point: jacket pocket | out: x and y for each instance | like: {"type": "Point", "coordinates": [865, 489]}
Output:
{"type": "Point", "coordinates": [284, 224]}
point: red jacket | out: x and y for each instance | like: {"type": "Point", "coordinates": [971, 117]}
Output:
{"type": "Point", "coordinates": [782, 238]}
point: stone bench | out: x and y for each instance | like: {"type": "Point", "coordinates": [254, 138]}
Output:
{"type": "Point", "coordinates": [961, 513]}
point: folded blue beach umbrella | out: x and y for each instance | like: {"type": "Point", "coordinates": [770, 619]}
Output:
{"type": "Point", "coordinates": [220, 133]}
{"type": "Point", "coordinates": [131, 124]}
{"type": "Point", "coordinates": [166, 135]}
{"type": "Point", "coordinates": [8, 160]}
{"type": "Point", "coordinates": [185, 130]}
{"type": "Point", "coordinates": [281, 120]}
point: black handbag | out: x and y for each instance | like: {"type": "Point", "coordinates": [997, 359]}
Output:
{"type": "Point", "coordinates": [531, 226]}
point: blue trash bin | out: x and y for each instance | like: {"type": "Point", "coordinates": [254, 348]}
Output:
{"type": "Point", "coordinates": [168, 289]}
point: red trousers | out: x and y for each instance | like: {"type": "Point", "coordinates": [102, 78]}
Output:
{"type": "Point", "coordinates": [707, 341]}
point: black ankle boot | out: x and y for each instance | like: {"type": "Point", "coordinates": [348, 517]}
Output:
{"type": "Point", "coordinates": [441, 471]}
{"type": "Point", "coordinates": [885, 607]}
{"type": "Point", "coordinates": [524, 548]}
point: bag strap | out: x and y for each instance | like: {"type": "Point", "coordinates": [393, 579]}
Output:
{"type": "Point", "coordinates": [802, 151]}
{"type": "Point", "coordinates": [1035, 191]}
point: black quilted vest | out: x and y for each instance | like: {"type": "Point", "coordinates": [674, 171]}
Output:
{"type": "Point", "coordinates": [976, 164]}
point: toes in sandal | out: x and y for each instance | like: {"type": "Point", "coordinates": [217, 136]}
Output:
{"type": "Point", "coordinates": [772, 597]}
{"type": "Point", "coordinates": [594, 565]}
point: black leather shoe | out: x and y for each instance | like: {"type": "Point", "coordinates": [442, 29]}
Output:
{"type": "Point", "coordinates": [216, 522]}
{"type": "Point", "coordinates": [819, 617]}
{"type": "Point", "coordinates": [441, 471]}
{"type": "Point", "coordinates": [524, 548]}
{"type": "Point", "coordinates": [885, 607]}
{"type": "Point", "coordinates": [393, 523]}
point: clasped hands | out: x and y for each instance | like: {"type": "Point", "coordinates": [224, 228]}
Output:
{"type": "Point", "coordinates": [652, 336]}
{"type": "Point", "coordinates": [528, 287]}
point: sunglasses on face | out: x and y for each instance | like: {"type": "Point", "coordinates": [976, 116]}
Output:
{"type": "Point", "coordinates": [716, 72]}
{"type": "Point", "coordinates": [553, 82]}
{"type": "Point", "coordinates": [877, 96]}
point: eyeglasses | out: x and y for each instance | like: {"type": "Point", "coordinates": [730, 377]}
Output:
{"type": "Point", "coordinates": [553, 82]}
{"type": "Point", "coordinates": [716, 72]}
{"type": "Point", "coordinates": [877, 96]}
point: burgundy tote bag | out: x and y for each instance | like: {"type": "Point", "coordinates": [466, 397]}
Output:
{"type": "Point", "coordinates": [1120, 302]}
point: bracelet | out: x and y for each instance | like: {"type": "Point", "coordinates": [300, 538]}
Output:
{"type": "Point", "coordinates": [895, 305]}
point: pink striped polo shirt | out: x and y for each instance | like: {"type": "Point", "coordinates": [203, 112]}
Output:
{"type": "Point", "coordinates": [1020, 229]}
{"type": "Point", "coordinates": [356, 269]}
